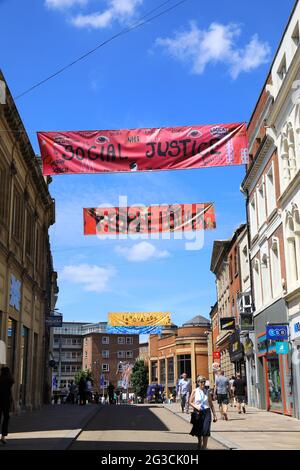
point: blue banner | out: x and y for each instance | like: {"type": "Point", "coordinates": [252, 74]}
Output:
{"type": "Point", "coordinates": [277, 332]}
{"type": "Point", "coordinates": [134, 330]}
{"type": "Point", "coordinates": [282, 347]}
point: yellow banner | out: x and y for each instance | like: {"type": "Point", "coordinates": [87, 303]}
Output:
{"type": "Point", "coordinates": [139, 318]}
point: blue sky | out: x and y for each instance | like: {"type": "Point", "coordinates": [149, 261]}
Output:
{"type": "Point", "coordinates": [202, 63]}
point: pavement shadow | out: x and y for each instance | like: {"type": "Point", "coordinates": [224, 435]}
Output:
{"type": "Point", "coordinates": [129, 445]}
{"type": "Point", "coordinates": [126, 417]}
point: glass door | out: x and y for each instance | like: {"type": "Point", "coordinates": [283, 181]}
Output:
{"type": "Point", "coordinates": [274, 384]}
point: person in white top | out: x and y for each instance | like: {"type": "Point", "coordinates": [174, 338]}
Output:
{"type": "Point", "coordinates": [201, 401]}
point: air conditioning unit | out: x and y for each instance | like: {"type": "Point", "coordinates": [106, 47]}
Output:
{"type": "Point", "coordinates": [245, 303]}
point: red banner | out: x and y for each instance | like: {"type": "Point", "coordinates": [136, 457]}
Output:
{"type": "Point", "coordinates": [148, 219]}
{"type": "Point", "coordinates": [216, 355]}
{"type": "Point", "coordinates": [143, 149]}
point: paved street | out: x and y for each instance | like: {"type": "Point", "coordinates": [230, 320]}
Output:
{"type": "Point", "coordinates": [143, 427]}
{"type": "Point", "coordinates": [256, 430]}
{"type": "Point", "coordinates": [124, 427]}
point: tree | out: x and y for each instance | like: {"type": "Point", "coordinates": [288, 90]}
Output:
{"type": "Point", "coordinates": [139, 378]}
{"type": "Point", "coordinates": [86, 374]}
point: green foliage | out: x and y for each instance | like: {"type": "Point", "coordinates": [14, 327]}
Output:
{"type": "Point", "coordinates": [86, 374]}
{"type": "Point", "coordinates": [139, 378]}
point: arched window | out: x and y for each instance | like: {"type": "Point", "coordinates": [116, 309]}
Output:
{"type": "Point", "coordinates": [275, 268]}
{"type": "Point", "coordinates": [292, 150]}
{"type": "Point", "coordinates": [257, 284]}
{"type": "Point", "coordinates": [288, 154]}
{"type": "Point", "coordinates": [293, 249]}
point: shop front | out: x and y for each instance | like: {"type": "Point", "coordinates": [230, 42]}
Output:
{"type": "Point", "coordinates": [236, 352]}
{"type": "Point", "coordinates": [295, 342]}
{"type": "Point", "coordinates": [274, 380]}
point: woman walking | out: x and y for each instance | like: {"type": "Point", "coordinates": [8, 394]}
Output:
{"type": "Point", "coordinates": [202, 404]}
{"type": "Point", "coordinates": [6, 382]}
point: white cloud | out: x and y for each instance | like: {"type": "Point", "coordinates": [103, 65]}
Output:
{"type": "Point", "coordinates": [117, 10]}
{"type": "Point", "coordinates": [141, 252]}
{"type": "Point", "coordinates": [61, 4]}
{"type": "Point", "coordinates": [217, 44]}
{"type": "Point", "coordinates": [93, 278]}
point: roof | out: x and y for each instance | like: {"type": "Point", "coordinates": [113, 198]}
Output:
{"type": "Point", "coordinates": [197, 320]}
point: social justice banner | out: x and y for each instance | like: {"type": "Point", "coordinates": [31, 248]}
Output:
{"type": "Point", "coordinates": [169, 148]}
{"type": "Point", "coordinates": [139, 319]}
{"type": "Point", "coordinates": [149, 219]}
{"type": "Point", "coordinates": [134, 330]}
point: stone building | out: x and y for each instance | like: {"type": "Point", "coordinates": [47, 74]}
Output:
{"type": "Point", "coordinates": [27, 281]}
{"type": "Point", "coordinates": [178, 350]}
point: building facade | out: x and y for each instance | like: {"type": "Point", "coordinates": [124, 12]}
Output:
{"type": "Point", "coordinates": [67, 353]}
{"type": "Point", "coordinates": [226, 327]}
{"type": "Point", "coordinates": [106, 356]}
{"type": "Point", "coordinates": [182, 349]}
{"type": "Point", "coordinates": [272, 190]}
{"type": "Point", "coordinates": [27, 281]}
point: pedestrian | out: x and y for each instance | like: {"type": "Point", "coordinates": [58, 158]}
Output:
{"type": "Point", "coordinates": [89, 390]}
{"type": "Point", "coordinates": [231, 391]}
{"type": "Point", "coordinates": [201, 401]}
{"type": "Point", "coordinates": [118, 393]}
{"type": "Point", "coordinates": [72, 392]}
{"type": "Point", "coordinates": [6, 383]}
{"type": "Point", "coordinates": [240, 391]}
{"type": "Point", "coordinates": [110, 390]}
{"type": "Point", "coordinates": [184, 390]}
{"type": "Point", "coordinates": [82, 391]}
{"type": "Point", "coordinates": [222, 393]}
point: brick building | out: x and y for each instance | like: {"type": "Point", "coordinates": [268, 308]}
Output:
{"type": "Point", "coordinates": [185, 349]}
{"type": "Point", "coordinates": [106, 354]}
{"type": "Point", "coordinates": [226, 265]}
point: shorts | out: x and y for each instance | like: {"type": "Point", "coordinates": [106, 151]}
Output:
{"type": "Point", "coordinates": [240, 398]}
{"type": "Point", "coordinates": [222, 399]}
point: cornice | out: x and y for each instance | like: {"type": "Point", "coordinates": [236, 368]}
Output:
{"type": "Point", "coordinates": [264, 148]}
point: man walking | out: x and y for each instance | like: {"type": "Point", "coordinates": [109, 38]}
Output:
{"type": "Point", "coordinates": [240, 390]}
{"type": "Point", "coordinates": [222, 393]}
{"type": "Point", "coordinates": [184, 390]}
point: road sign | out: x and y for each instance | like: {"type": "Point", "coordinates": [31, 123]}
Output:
{"type": "Point", "coordinates": [282, 347]}
{"type": "Point", "coordinates": [216, 355]}
{"type": "Point", "coordinates": [277, 332]}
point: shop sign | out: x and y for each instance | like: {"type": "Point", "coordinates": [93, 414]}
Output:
{"type": "Point", "coordinates": [227, 323]}
{"type": "Point", "coordinates": [282, 347]}
{"type": "Point", "coordinates": [236, 349]}
{"type": "Point", "coordinates": [277, 332]}
{"type": "Point", "coordinates": [216, 355]}
{"type": "Point", "coordinates": [246, 322]}
{"type": "Point", "coordinates": [215, 366]}
{"type": "Point", "coordinates": [54, 321]}
{"type": "Point", "coordinates": [295, 328]}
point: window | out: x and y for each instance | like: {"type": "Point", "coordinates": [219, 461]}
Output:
{"type": "Point", "coordinates": [170, 362]}
{"type": "Point", "coordinates": [293, 244]}
{"type": "Point", "coordinates": [154, 370]}
{"type": "Point", "coordinates": [288, 154]}
{"type": "Point", "coordinates": [129, 340]}
{"type": "Point", "coordinates": [129, 354]}
{"type": "Point", "coordinates": [4, 193]}
{"type": "Point", "coordinates": [30, 233]}
{"type": "Point", "coordinates": [236, 261]}
{"type": "Point", "coordinates": [120, 368]}
{"type": "Point", "coordinates": [253, 218]}
{"type": "Point", "coordinates": [261, 208]}
{"type": "Point", "coordinates": [105, 353]}
{"type": "Point", "coordinates": [281, 72]}
{"type": "Point", "coordinates": [265, 275]}
{"type": "Point", "coordinates": [121, 340]}
{"type": "Point", "coordinates": [257, 284]}
{"type": "Point", "coordinates": [275, 268]}
{"type": "Point", "coordinates": [120, 354]}
{"type": "Point", "coordinates": [18, 212]}
{"type": "Point", "coordinates": [295, 35]}
{"type": "Point", "coordinates": [105, 340]}
{"type": "Point", "coordinates": [85, 354]}
{"type": "Point", "coordinates": [105, 367]}
{"type": "Point", "coordinates": [270, 190]}
{"type": "Point", "coordinates": [184, 364]}
{"type": "Point", "coordinates": [162, 364]}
